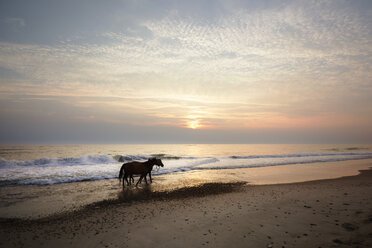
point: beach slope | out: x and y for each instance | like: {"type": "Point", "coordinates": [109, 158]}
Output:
{"type": "Point", "coordinates": [324, 213]}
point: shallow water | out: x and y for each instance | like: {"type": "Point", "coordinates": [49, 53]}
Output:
{"type": "Point", "coordinates": [36, 201]}
{"type": "Point", "coordinates": [42, 165]}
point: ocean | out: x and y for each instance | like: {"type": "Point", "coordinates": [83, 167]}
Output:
{"type": "Point", "coordinates": [56, 164]}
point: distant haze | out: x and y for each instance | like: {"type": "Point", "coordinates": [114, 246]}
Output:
{"type": "Point", "coordinates": [185, 71]}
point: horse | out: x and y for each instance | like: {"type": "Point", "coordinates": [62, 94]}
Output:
{"type": "Point", "coordinates": [158, 163]}
{"type": "Point", "coordinates": [141, 168]}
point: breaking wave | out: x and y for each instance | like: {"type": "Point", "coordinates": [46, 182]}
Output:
{"type": "Point", "coordinates": [97, 167]}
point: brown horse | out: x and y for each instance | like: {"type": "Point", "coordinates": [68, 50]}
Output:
{"type": "Point", "coordinates": [138, 168]}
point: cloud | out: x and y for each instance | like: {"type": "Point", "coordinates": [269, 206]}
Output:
{"type": "Point", "coordinates": [223, 64]}
{"type": "Point", "coordinates": [15, 22]}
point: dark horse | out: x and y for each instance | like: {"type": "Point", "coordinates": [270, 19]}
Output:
{"type": "Point", "coordinates": [138, 168]}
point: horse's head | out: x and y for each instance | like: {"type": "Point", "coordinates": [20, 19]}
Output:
{"type": "Point", "coordinates": [159, 163]}
{"type": "Point", "coordinates": [156, 161]}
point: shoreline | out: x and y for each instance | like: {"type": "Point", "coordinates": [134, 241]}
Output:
{"type": "Point", "coordinates": [321, 213]}
{"type": "Point", "coordinates": [35, 201]}
{"type": "Point", "coordinates": [145, 195]}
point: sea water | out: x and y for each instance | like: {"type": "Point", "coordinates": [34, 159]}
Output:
{"type": "Point", "coordinates": [40, 165]}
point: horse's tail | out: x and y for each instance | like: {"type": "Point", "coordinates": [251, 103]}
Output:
{"type": "Point", "coordinates": [121, 172]}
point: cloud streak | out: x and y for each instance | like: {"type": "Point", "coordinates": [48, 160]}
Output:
{"type": "Point", "coordinates": [231, 66]}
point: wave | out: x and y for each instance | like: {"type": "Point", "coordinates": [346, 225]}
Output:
{"type": "Point", "coordinates": [299, 155]}
{"type": "Point", "coordinates": [128, 158]}
{"type": "Point", "coordinates": [279, 163]}
{"type": "Point", "coordinates": [108, 159]}
{"type": "Point", "coordinates": [352, 148]}
{"type": "Point", "coordinates": [98, 167]}
{"type": "Point", "coordinates": [43, 162]}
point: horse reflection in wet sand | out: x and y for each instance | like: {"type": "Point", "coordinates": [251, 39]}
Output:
{"type": "Point", "coordinates": [138, 168]}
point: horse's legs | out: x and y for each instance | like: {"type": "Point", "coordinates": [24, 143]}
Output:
{"type": "Point", "coordinates": [129, 182]}
{"type": "Point", "coordinates": [145, 180]}
{"type": "Point", "coordinates": [126, 178]}
{"type": "Point", "coordinates": [150, 177]}
{"type": "Point", "coordinates": [140, 180]}
{"type": "Point", "coordinates": [123, 180]}
{"type": "Point", "coordinates": [131, 177]}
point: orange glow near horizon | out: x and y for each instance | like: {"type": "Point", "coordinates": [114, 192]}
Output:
{"type": "Point", "coordinates": [194, 124]}
{"type": "Point", "coordinates": [187, 75]}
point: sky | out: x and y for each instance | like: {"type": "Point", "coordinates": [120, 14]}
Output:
{"type": "Point", "coordinates": [185, 71]}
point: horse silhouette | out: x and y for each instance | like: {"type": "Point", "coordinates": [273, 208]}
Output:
{"type": "Point", "coordinates": [138, 168]}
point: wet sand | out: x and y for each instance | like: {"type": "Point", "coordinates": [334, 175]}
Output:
{"type": "Point", "coordinates": [322, 213]}
{"type": "Point", "coordinates": [34, 201]}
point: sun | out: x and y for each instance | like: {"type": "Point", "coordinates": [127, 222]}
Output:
{"type": "Point", "coordinates": [194, 124]}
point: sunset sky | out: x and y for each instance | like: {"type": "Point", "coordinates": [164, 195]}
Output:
{"type": "Point", "coordinates": [185, 71]}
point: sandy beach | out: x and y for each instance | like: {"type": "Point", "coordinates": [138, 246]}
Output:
{"type": "Point", "coordinates": [321, 213]}
{"type": "Point", "coordinates": [252, 120]}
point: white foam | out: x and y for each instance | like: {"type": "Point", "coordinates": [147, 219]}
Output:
{"type": "Point", "coordinates": [63, 170]}
{"type": "Point", "coordinates": [46, 162]}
